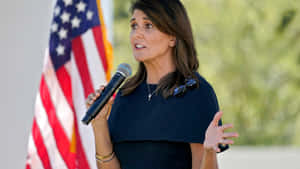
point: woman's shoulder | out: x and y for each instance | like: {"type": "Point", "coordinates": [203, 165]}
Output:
{"type": "Point", "coordinates": [203, 83]}
{"type": "Point", "coordinates": [204, 89]}
{"type": "Point", "coordinates": [203, 97]}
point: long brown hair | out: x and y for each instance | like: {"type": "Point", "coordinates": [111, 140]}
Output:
{"type": "Point", "coordinates": [170, 17]}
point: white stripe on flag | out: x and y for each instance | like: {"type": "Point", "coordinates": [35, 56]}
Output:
{"type": "Point", "coordinates": [34, 160]}
{"type": "Point", "coordinates": [86, 132]}
{"type": "Point", "coordinates": [94, 62]}
{"type": "Point", "coordinates": [47, 135]}
{"type": "Point", "coordinates": [63, 110]}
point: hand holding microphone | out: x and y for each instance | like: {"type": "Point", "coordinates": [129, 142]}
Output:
{"type": "Point", "coordinates": [104, 112]}
{"type": "Point", "coordinates": [98, 101]}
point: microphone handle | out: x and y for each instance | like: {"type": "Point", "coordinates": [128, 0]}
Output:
{"type": "Point", "coordinates": [108, 91]}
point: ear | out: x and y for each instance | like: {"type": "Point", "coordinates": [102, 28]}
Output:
{"type": "Point", "coordinates": [172, 41]}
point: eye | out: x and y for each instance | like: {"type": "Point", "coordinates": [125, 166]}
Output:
{"type": "Point", "coordinates": [133, 26]}
{"type": "Point", "coordinates": [149, 26]}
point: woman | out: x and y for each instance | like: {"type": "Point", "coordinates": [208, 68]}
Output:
{"type": "Point", "coordinates": [164, 117]}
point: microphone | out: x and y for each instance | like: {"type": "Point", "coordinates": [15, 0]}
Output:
{"type": "Point", "coordinates": [121, 74]}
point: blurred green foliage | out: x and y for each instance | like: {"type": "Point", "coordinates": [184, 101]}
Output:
{"type": "Point", "coordinates": [249, 50]}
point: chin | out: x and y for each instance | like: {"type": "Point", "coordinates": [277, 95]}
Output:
{"type": "Point", "coordinates": [140, 58]}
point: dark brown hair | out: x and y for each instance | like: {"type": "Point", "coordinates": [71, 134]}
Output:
{"type": "Point", "coordinates": [170, 17]}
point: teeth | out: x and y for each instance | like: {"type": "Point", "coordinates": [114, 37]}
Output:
{"type": "Point", "coordinates": [139, 46]}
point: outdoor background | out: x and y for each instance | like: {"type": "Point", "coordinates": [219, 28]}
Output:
{"type": "Point", "coordinates": [249, 50]}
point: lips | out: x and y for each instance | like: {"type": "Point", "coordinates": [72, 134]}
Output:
{"type": "Point", "coordinates": [139, 46]}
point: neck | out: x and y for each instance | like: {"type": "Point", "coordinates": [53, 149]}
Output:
{"type": "Point", "coordinates": [156, 69]}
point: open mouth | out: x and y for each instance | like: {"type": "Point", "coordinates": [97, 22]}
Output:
{"type": "Point", "coordinates": [139, 46]}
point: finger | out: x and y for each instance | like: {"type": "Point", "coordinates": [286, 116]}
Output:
{"type": "Point", "coordinates": [88, 103]}
{"type": "Point", "coordinates": [102, 87]}
{"type": "Point", "coordinates": [230, 135]}
{"type": "Point", "coordinates": [96, 96]}
{"type": "Point", "coordinates": [98, 91]}
{"type": "Point", "coordinates": [111, 100]}
{"type": "Point", "coordinates": [217, 117]}
{"type": "Point", "coordinates": [216, 148]}
{"type": "Point", "coordinates": [108, 112]}
{"type": "Point", "coordinates": [94, 99]}
{"type": "Point", "coordinates": [226, 126]}
{"type": "Point", "coordinates": [90, 96]}
{"type": "Point", "coordinates": [226, 141]}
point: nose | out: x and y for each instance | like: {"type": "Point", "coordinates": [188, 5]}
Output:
{"type": "Point", "coordinates": [138, 33]}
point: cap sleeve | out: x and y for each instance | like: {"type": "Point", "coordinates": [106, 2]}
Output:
{"type": "Point", "coordinates": [203, 107]}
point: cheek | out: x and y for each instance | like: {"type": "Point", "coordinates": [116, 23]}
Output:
{"type": "Point", "coordinates": [159, 43]}
{"type": "Point", "coordinates": [156, 37]}
{"type": "Point", "coordinates": [131, 38]}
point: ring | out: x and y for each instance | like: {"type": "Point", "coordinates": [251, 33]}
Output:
{"type": "Point", "coordinates": [91, 95]}
{"type": "Point", "coordinates": [89, 98]}
{"type": "Point", "coordinates": [87, 101]}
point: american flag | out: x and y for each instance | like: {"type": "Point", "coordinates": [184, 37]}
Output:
{"type": "Point", "coordinates": [77, 62]}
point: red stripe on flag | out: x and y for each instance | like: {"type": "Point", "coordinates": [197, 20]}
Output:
{"type": "Point", "coordinates": [62, 141]}
{"type": "Point", "coordinates": [80, 153]}
{"type": "Point", "coordinates": [64, 80]}
{"type": "Point", "coordinates": [27, 166]}
{"type": "Point", "coordinates": [81, 62]}
{"type": "Point", "coordinates": [98, 37]}
{"type": "Point", "coordinates": [40, 146]}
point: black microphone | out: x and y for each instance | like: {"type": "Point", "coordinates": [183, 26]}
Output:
{"type": "Point", "coordinates": [121, 74]}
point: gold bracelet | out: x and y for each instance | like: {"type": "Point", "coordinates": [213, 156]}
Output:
{"type": "Point", "coordinates": [104, 159]}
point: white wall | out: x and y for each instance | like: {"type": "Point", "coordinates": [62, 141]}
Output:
{"type": "Point", "coordinates": [24, 33]}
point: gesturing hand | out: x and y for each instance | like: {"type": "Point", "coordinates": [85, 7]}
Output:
{"type": "Point", "coordinates": [215, 134]}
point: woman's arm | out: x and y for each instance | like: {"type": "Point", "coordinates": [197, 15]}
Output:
{"type": "Point", "coordinates": [204, 155]}
{"type": "Point", "coordinates": [201, 158]}
{"type": "Point", "coordinates": [103, 144]}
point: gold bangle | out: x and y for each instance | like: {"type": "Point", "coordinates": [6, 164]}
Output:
{"type": "Point", "coordinates": [104, 157]}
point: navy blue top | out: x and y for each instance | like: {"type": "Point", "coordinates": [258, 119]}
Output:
{"type": "Point", "coordinates": [156, 133]}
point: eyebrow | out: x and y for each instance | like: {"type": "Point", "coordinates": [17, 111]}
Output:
{"type": "Point", "coordinates": [133, 19]}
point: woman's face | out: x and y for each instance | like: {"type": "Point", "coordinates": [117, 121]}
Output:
{"type": "Point", "coordinates": [147, 41]}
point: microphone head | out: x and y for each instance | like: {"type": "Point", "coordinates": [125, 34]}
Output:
{"type": "Point", "coordinates": [124, 69]}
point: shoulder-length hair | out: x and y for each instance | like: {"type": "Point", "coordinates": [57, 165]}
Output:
{"type": "Point", "coordinates": [170, 17]}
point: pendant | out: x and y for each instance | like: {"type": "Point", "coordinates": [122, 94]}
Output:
{"type": "Point", "coordinates": [149, 97]}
